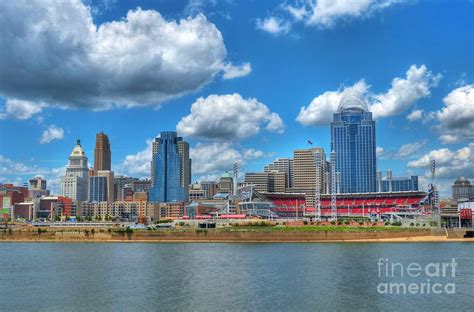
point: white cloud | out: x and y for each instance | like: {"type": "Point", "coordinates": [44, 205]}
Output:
{"type": "Point", "coordinates": [8, 167]}
{"type": "Point", "coordinates": [209, 159]}
{"type": "Point", "coordinates": [379, 151]}
{"type": "Point", "coordinates": [273, 25]}
{"type": "Point", "coordinates": [252, 153]}
{"type": "Point", "coordinates": [232, 71]}
{"type": "Point", "coordinates": [324, 13]}
{"type": "Point", "coordinates": [456, 118]}
{"type": "Point", "coordinates": [197, 6]}
{"type": "Point", "coordinates": [138, 164]}
{"type": "Point", "coordinates": [321, 109]}
{"type": "Point", "coordinates": [19, 109]}
{"type": "Point", "coordinates": [449, 163]}
{"type": "Point", "coordinates": [51, 134]}
{"type": "Point", "coordinates": [404, 92]}
{"type": "Point", "coordinates": [18, 173]}
{"type": "Point", "coordinates": [409, 149]}
{"type": "Point", "coordinates": [212, 159]}
{"type": "Point", "coordinates": [449, 139]}
{"type": "Point", "coordinates": [52, 52]}
{"type": "Point", "coordinates": [415, 115]}
{"type": "Point", "coordinates": [228, 117]}
{"type": "Point", "coordinates": [298, 13]}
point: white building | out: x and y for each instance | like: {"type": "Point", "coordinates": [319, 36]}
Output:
{"type": "Point", "coordinates": [75, 183]}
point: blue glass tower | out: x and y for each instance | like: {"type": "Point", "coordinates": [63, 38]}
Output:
{"type": "Point", "coordinates": [97, 189]}
{"type": "Point", "coordinates": [167, 186]}
{"type": "Point", "coordinates": [353, 140]}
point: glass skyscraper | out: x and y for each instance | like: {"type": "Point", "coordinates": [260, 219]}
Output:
{"type": "Point", "coordinates": [353, 140]}
{"type": "Point", "coordinates": [167, 170]}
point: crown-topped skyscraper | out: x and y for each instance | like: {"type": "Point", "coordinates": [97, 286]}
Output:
{"type": "Point", "coordinates": [74, 183]}
{"type": "Point", "coordinates": [353, 140]}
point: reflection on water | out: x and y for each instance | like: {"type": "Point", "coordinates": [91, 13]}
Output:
{"type": "Point", "coordinates": [217, 277]}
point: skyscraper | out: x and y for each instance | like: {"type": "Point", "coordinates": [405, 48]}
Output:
{"type": "Point", "coordinates": [309, 166]}
{"type": "Point", "coordinates": [284, 165]}
{"type": "Point", "coordinates": [183, 150]}
{"type": "Point", "coordinates": [74, 183]}
{"type": "Point", "coordinates": [353, 140]}
{"type": "Point", "coordinates": [167, 169]}
{"type": "Point", "coordinates": [102, 155]}
{"type": "Point", "coordinates": [98, 189]}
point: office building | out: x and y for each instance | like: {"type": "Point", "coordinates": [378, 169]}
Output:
{"type": "Point", "coordinates": [183, 150]}
{"type": "Point", "coordinates": [284, 165]}
{"type": "Point", "coordinates": [109, 175]}
{"type": "Point", "coordinates": [98, 189]}
{"type": "Point", "coordinates": [353, 140]}
{"type": "Point", "coordinates": [309, 166]}
{"type": "Point", "coordinates": [462, 189]}
{"type": "Point", "coordinates": [268, 182]}
{"type": "Point", "coordinates": [74, 183]}
{"type": "Point", "coordinates": [396, 184]}
{"type": "Point", "coordinates": [141, 185]}
{"type": "Point", "coordinates": [226, 184]}
{"type": "Point", "coordinates": [123, 210]}
{"type": "Point", "coordinates": [197, 192]}
{"type": "Point", "coordinates": [167, 169]}
{"type": "Point", "coordinates": [211, 188]}
{"type": "Point", "coordinates": [37, 188]}
{"type": "Point", "coordinates": [119, 184]}
{"type": "Point", "coordinates": [102, 154]}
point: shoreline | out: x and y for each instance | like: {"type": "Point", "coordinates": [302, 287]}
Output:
{"type": "Point", "coordinates": [412, 239]}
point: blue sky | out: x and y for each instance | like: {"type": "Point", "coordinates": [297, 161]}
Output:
{"type": "Point", "coordinates": [79, 68]}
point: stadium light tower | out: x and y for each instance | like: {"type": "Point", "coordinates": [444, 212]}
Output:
{"type": "Point", "coordinates": [317, 189]}
{"type": "Point", "coordinates": [435, 191]}
{"type": "Point", "coordinates": [236, 174]}
{"type": "Point", "coordinates": [333, 186]}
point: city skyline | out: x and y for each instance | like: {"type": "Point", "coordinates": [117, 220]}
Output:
{"type": "Point", "coordinates": [421, 99]}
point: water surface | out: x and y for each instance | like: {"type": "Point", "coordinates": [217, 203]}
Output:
{"type": "Point", "coordinates": [218, 277]}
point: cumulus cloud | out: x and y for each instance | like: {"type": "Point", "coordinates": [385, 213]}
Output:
{"type": "Point", "coordinates": [456, 118]}
{"type": "Point", "coordinates": [325, 13]}
{"type": "Point", "coordinates": [212, 159]}
{"type": "Point", "coordinates": [53, 52]}
{"type": "Point", "coordinates": [9, 166]}
{"type": "Point", "coordinates": [380, 151]}
{"type": "Point", "coordinates": [228, 117]}
{"type": "Point", "coordinates": [321, 109]}
{"type": "Point", "coordinates": [273, 25]}
{"type": "Point", "coordinates": [322, 13]}
{"type": "Point", "coordinates": [400, 97]}
{"type": "Point", "coordinates": [12, 171]}
{"type": "Point", "coordinates": [409, 149]}
{"type": "Point", "coordinates": [405, 91]}
{"type": "Point", "coordinates": [449, 163]}
{"type": "Point", "coordinates": [18, 109]}
{"type": "Point", "coordinates": [209, 159]}
{"type": "Point", "coordinates": [298, 13]}
{"type": "Point", "coordinates": [51, 133]}
{"type": "Point", "coordinates": [138, 164]}
{"type": "Point", "coordinates": [415, 115]}
{"type": "Point", "coordinates": [232, 71]}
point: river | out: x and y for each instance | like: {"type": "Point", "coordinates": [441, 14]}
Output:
{"type": "Point", "coordinates": [222, 277]}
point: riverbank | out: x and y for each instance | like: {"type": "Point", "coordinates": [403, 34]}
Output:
{"type": "Point", "coordinates": [231, 235]}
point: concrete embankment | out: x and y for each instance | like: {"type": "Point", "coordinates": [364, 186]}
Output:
{"type": "Point", "coordinates": [217, 236]}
